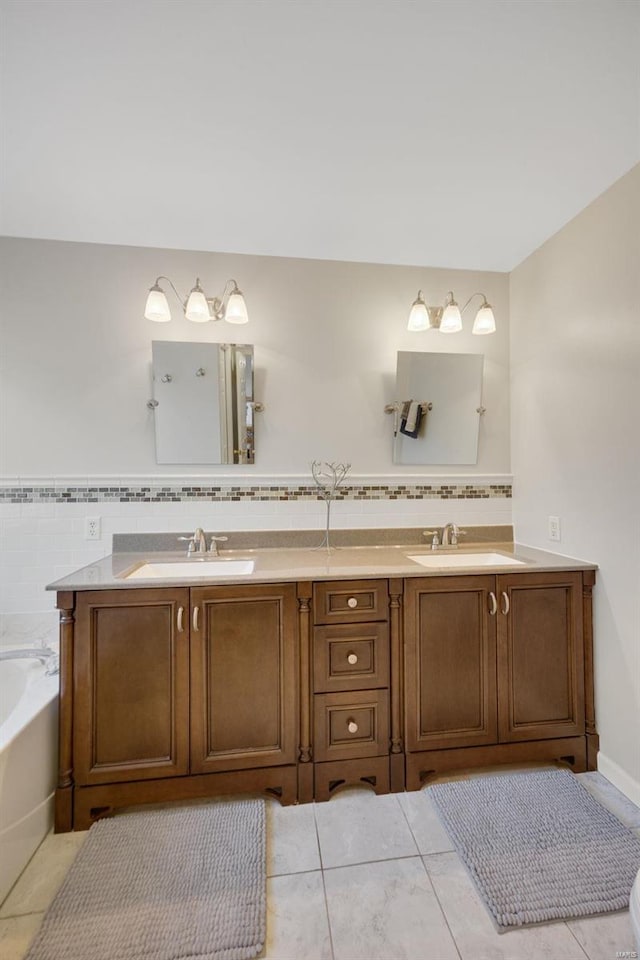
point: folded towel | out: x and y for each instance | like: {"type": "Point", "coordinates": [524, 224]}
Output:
{"type": "Point", "coordinates": [411, 418]}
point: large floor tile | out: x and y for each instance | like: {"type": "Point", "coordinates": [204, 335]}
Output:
{"type": "Point", "coordinates": [39, 883]}
{"type": "Point", "coordinates": [359, 827]}
{"type": "Point", "coordinates": [475, 933]}
{"type": "Point", "coordinates": [297, 924]}
{"type": "Point", "coordinates": [610, 797]}
{"type": "Point", "coordinates": [605, 937]}
{"type": "Point", "coordinates": [386, 911]}
{"type": "Point", "coordinates": [292, 841]}
{"type": "Point", "coordinates": [425, 824]}
{"type": "Point", "coordinates": [16, 935]}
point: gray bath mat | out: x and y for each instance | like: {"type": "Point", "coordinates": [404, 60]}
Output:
{"type": "Point", "coordinates": [186, 882]}
{"type": "Point", "coordinates": [538, 846]}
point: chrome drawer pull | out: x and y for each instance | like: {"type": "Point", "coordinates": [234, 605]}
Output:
{"type": "Point", "coordinates": [505, 603]}
{"type": "Point", "coordinates": [352, 602]}
{"type": "Point", "coordinates": [196, 614]}
{"type": "Point", "coordinates": [352, 658]}
{"type": "Point", "coordinates": [493, 603]}
{"type": "Point", "coordinates": [180, 616]}
{"type": "Point", "coordinates": [352, 726]}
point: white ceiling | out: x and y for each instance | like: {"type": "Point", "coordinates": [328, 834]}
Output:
{"type": "Point", "coordinates": [457, 134]}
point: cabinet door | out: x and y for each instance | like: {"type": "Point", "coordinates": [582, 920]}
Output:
{"type": "Point", "coordinates": [131, 685]}
{"type": "Point", "coordinates": [243, 677]}
{"type": "Point", "coordinates": [540, 656]}
{"type": "Point", "coordinates": [450, 662]}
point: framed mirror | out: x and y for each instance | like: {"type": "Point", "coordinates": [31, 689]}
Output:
{"type": "Point", "coordinates": [203, 402]}
{"type": "Point", "coordinates": [448, 389]}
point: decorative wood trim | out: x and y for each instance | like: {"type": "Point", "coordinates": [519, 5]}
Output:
{"type": "Point", "coordinates": [64, 793]}
{"type": "Point", "coordinates": [305, 593]}
{"type": "Point", "coordinates": [420, 766]}
{"type": "Point", "coordinates": [395, 625]}
{"type": "Point", "coordinates": [91, 803]}
{"type": "Point", "coordinates": [333, 776]}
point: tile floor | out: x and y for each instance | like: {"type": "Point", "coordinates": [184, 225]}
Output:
{"type": "Point", "coordinates": [362, 877]}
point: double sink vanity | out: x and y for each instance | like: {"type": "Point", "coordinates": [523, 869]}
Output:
{"type": "Point", "coordinates": [294, 671]}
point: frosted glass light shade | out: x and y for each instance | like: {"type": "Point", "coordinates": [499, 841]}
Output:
{"type": "Point", "coordinates": [418, 316]}
{"type": "Point", "coordinates": [485, 321]}
{"type": "Point", "coordinates": [451, 321]}
{"type": "Point", "coordinates": [157, 308]}
{"type": "Point", "coordinates": [197, 308]}
{"type": "Point", "coordinates": [236, 311]}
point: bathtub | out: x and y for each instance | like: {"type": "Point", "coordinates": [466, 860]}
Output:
{"type": "Point", "coordinates": [28, 763]}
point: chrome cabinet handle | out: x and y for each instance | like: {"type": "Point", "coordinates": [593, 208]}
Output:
{"type": "Point", "coordinates": [352, 602]}
{"type": "Point", "coordinates": [352, 726]}
{"type": "Point", "coordinates": [196, 615]}
{"type": "Point", "coordinates": [180, 620]}
{"type": "Point", "coordinates": [505, 603]}
{"type": "Point", "coordinates": [493, 603]}
{"type": "Point", "coordinates": [352, 658]}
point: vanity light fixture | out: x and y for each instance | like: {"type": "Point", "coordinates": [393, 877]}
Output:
{"type": "Point", "coordinates": [198, 307]}
{"type": "Point", "coordinates": [448, 318]}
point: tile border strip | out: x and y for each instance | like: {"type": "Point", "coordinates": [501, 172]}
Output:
{"type": "Point", "coordinates": [223, 492]}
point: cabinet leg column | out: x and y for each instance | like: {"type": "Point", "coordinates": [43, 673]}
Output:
{"type": "Point", "coordinates": [305, 765]}
{"type": "Point", "coordinates": [64, 791]}
{"type": "Point", "coordinates": [593, 740]}
{"type": "Point", "coordinates": [396, 760]}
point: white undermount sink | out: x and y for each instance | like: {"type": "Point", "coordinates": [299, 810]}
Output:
{"type": "Point", "coordinates": [442, 560]}
{"type": "Point", "coordinates": [190, 569]}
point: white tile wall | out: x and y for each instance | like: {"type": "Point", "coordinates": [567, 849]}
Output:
{"type": "Point", "coordinates": [41, 542]}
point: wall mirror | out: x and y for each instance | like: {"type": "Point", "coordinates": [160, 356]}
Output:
{"type": "Point", "coordinates": [203, 402]}
{"type": "Point", "coordinates": [448, 386]}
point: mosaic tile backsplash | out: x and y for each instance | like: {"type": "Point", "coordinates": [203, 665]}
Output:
{"type": "Point", "coordinates": [179, 493]}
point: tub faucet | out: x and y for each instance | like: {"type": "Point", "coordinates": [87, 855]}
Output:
{"type": "Point", "coordinates": [45, 655]}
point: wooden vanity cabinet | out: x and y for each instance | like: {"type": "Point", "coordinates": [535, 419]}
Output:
{"type": "Point", "coordinates": [131, 685]}
{"type": "Point", "coordinates": [450, 662]}
{"type": "Point", "coordinates": [351, 680]}
{"type": "Point", "coordinates": [243, 677]}
{"type": "Point", "coordinates": [295, 689]}
{"type": "Point", "coordinates": [494, 671]}
{"type": "Point", "coordinates": [176, 693]}
{"type": "Point", "coordinates": [540, 656]}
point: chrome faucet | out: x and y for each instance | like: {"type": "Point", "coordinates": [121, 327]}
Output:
{"type": "Point", "coordinates": [44, 654]}
{"type": "Point", "coordinates": [198, 544]}
{"type": "Point", "coordinates": [450, 534]}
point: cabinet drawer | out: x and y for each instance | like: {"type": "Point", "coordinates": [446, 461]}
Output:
{"type": "Point", "coordinates": [350, 657]}
{"type": "Point", "coordinates": [349, 725]}
{"type": "Point", "coordinates": [350, 601]}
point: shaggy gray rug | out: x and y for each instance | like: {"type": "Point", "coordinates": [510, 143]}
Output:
{"type": "Point", "coordinates": [164, 884]}
{"type": "Point", "coordinates": [538, 846]}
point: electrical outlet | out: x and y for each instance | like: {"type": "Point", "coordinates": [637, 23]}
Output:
{"type": "Point", "coordinates": [92, 529]}
{"type": "Point", "coordinates": [554, 528]}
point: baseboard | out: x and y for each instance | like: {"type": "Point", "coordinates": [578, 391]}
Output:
{"type": "Point", "coordinates": [619, 778]}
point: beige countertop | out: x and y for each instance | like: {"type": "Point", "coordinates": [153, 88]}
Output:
{"type": "Point", "coordinates": [340, 563]}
